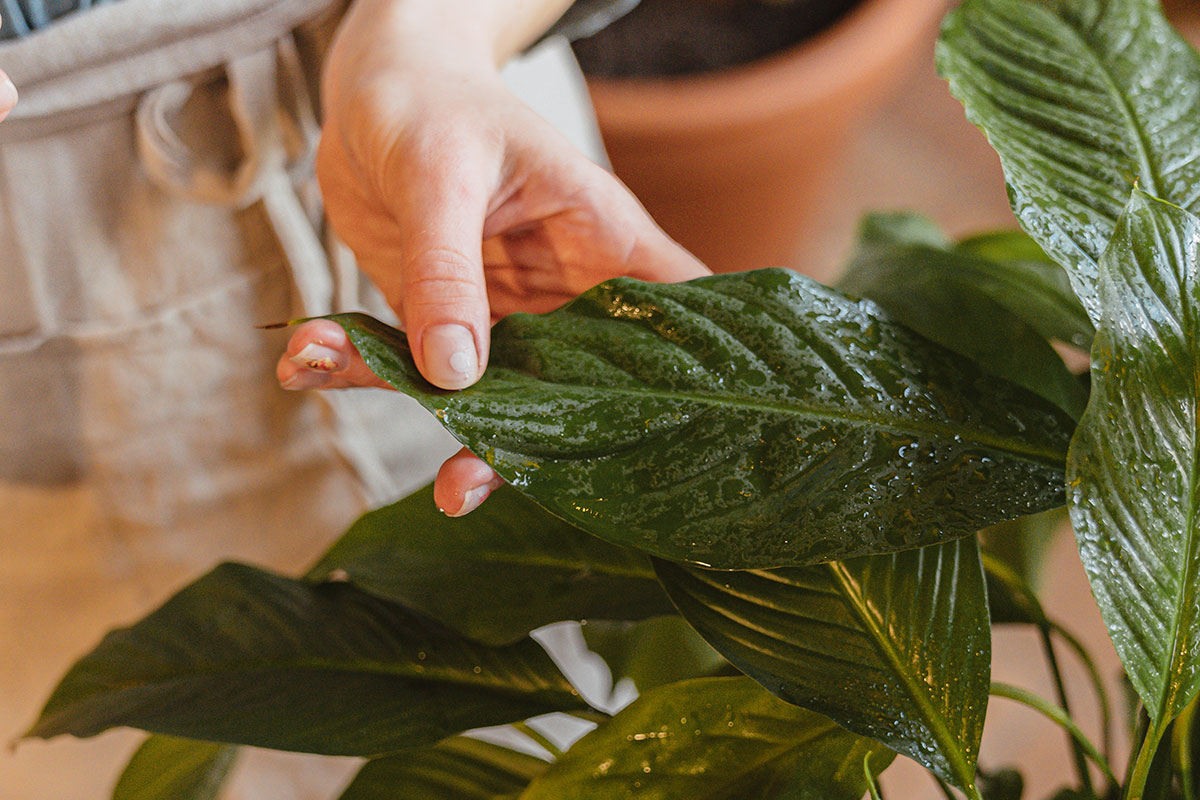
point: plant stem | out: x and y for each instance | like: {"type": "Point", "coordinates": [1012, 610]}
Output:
{"type": "Point", "coordinates": [1081, 767]}
{"type": "Point", "coordinates": [540, 738]}
{"type": "Point", "coordinates": [1145, 758]}
{"type": "Point", "coordinates": [1101, 692]}
{"type": "Point", "coordinates": [1057, 716]}
{"type": "Point", "coordinates": [945, 789]}
{"type": "Point", "coordinates": [1181, 749]}
{"type": "Point", "coordinates": [872, 785]}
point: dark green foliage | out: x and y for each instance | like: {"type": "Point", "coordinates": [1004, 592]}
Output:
{"type": "Point", "coordinates": [247, 657]}
{"type": "Point", "coordinates": [743, 421]}
{"type": "Point", "coordinates": [455, 769]}
{"type": "Point", "coordinates": [895, 647]}
{"type": "Point", "coordinates": [712, 739]}
{"type": "Point", "coordinates": [166, 768]}
{"type": "Point", "coordinates": [492, 576]}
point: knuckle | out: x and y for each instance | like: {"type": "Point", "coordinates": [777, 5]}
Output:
{"type": "Point", "coordinates": [441, 277]}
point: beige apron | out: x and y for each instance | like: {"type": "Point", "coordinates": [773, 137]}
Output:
{"type": "Point", "coordinates": [157, 202]}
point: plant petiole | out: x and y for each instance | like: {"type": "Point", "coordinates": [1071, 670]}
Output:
{"type": "Point", "coordinates": [1145, 758]}
{"type": "Point", "coordinates": [1057, 716]}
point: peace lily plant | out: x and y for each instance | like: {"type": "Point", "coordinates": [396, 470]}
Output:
{"type": "Point", "coordinates": [796, 472]}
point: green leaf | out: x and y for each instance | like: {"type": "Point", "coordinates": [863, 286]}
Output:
{"type": "Point", "coordinates": [884, 229]}
{"type": "Point", "coordinates": [247, 657]}
{"type": "Point", "coordinates": [1083, 100]}
{"type": "Point", "coordinates": [748, 420]}
{"type": "Point", "coordinates": [1014, 246]}
{"type": "Point", "coordinates": [166, 768]}
{"type": "Point", "coordinates": [508, 568]}
{"type": "Point", "coordinates": [1019, 545]}
{"type": "Point", "coordinates": [1003, 784]}
{"type": "Point", "coordinates": [1007, 266]}
{"type": "Point", "coordinates": [894, 647]}
{"type": "Point", "coordinates": [712, 739]}
{"type": "Point", "coordinates": [934, 292]}
{"type": "Point", "coordinates": [653, 652]}
{"type": "Point", "coordinates": [1068, 793]}
{"type": "Point", "coordinates": [1014, 271]}
{"type": "Point", "coordinates": [1134, 480]}
{"type": "Point", "coordinates": [460, 768]}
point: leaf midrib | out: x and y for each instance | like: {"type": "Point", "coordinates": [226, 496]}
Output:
{"type": "Point", "coordinates": [772, 754]}
{"type": "Point", "coordinates": [1186, 586]}
{"type": "Point", "coordinates": [331, 666]}
{"type": "Point", "coordinates": [1141, 141]}
{"type": "Point", "coordinates": [779, 753]}
{"type": "Point", "coordinates": [491, 557]}
{"type": "Point", "coordinates": [946, 740]}
{"type": "Point", "coordinates": [902, 426]}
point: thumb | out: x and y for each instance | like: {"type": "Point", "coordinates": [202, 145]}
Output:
{"type": "Point", "coordinates": [8, 95]}
{"type": "Point", "coordinates": [444, 294]}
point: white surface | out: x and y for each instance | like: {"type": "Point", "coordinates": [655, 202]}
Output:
{"type": "Point", "coordinates": [548, 80]}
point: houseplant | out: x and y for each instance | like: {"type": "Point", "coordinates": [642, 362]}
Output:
{"type": "Point", "coordinates": [732, 162]}
{"type": "Point", "coordinates": [828, 459]}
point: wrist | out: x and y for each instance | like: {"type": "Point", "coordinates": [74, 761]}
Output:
{"type": "Point", "coordinates": [476, 33]}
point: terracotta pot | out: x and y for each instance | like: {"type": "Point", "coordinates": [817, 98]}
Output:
{"type": "Point", "coordinates": [731, 163]}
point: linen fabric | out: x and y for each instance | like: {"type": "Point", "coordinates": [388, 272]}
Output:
{"type": "Point", "coordinates": [156, 203]}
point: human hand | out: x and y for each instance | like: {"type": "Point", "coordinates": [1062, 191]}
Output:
{"type": "Point", "coordinates": [8, 92]}
{"type": "Point", "coordinates": [461, 204]}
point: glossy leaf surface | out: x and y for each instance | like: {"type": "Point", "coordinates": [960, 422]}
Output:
{"type": "Point", "coordinates": [712, 739]}
{"type": "Point", "coordinates": [167, 768]}
{"type": "Point", "coordinates": [1134, 477]}
{"type": "Point", "coordinates": [894, 647]}
{"type": "Point", "coordinates": [455, 769]}
{"type": "Point", "coordinates": [652, 652]}
{"type": "Point", "coordinates": [497, 574]}
{"type": "Point", "coordinates": [934, 291]}
{"type": "Point", "coordinates": [742, 421]}
{"type": "Point", "coordinates": [247, 657]}
{"type": "Point", "coordinates": [1083, 100]}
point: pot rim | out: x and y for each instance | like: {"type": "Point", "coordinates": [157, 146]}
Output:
{"type": "Point", "coordinates": [869, 37]}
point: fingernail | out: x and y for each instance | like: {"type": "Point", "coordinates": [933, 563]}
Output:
{"type": "Point", "coordinates": [8, 92]}
{"type": "Point", "coordinates": [471, 500]}
{"type": "Point", "coordinates": [318, 357]}
{"type": "Point", "coordinates": [306, 379]}
{"type": "Point", "coordinates": [451, 361]}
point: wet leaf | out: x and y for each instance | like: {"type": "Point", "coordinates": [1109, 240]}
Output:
{"type": "Point", "coordinates": [246, 657]}
{"type": "Point", "coordinates": [712, 739]}
{"type": "Point", "coordinates": [1083, 100]}
{"type": "Point", "coordinates": [741, 421]}
{"type": "Point", "coordinates": [455, 769]}
{"type": "Point", "coordinates": [895, 647]}
{"type": "Point", "coordinates": [652, 652]}
{"type": "Point", "coordinates": [940, 294]}
{"type": "Point", "coordinates": [1134, 474]}
{"type": "Point", "coordinates": [497, 574]}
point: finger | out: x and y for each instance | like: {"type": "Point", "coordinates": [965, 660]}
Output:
{"type": "Point", "coordinates": [436, 186]}
{"type": "Point", "coordinates": [8, 95]}
{"type": "Point", "coordinates": [657, 257]}
{"type": "Point", "coordinates": [463, 483]}
{"type": "Point", "coordinates": [320, 356]}
{"type": "Point", "coordinates": [444, 302]}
